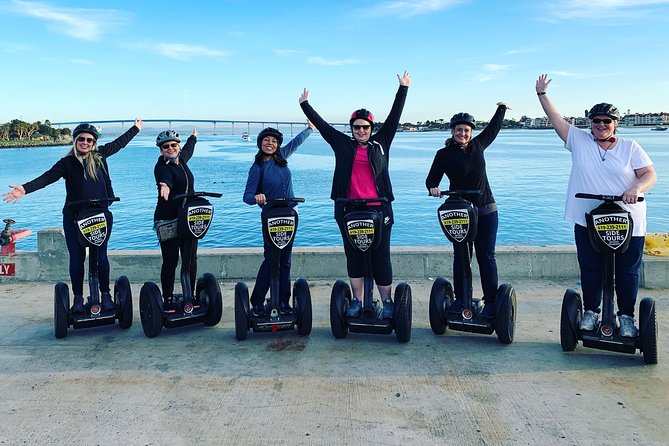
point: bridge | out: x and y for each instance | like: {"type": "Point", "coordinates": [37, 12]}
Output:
{"type": "Point", "coordinates": [214, 122]}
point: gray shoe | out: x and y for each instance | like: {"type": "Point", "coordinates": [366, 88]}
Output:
{"type": "Point", "coordinates": [588, 321]}
{"type": "Point", "coordinates": [388, 309]}
{"type": "Point", "coordinates": [107, 302]}
{"type": "Point", "coordinates": [627, 328]}
{"type": "Point", "coordinates": [354, 308]}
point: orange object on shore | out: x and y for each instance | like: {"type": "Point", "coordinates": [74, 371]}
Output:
{"type": "Point", "coordinates": [18, 234]}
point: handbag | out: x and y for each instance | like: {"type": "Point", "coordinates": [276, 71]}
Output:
{"type": "Point", "coordinates": [166, 230]}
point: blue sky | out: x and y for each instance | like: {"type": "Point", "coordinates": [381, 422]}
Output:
{"type": "Point", "coordinates": [243, 59]}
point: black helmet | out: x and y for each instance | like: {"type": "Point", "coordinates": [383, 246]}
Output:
{"type": "Point", "coordinates": [604, 109]}
{"type": "Point", "coordinates": [463, 118]}
{"type": "Point", "coordinates": [270, 131]}
{"type": "Point", "coordinates": [167, 136]}
{"type": "Point", "coordinates": [86, 128]}
{"type": "Point", "coordinates": [362, 113]}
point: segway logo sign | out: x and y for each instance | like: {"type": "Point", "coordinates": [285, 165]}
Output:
{"type": "Point", "coordinates": [455, 223]}
{"type": "Point", "coordinates": [360, 233]}
{"type": "Point", "coordinates": [612, 229]}
{"type": "Point", "coordinates": [199, 219]}
{"type": "Point", "coordinates": [281, 230]}
{"type": "Point", "coordinates": [94, 229]}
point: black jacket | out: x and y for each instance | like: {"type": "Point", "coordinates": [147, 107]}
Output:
{"type": "Point", "coordinates": [178, 178]}
{"type": "Point", "coordinates": [466, 169]}
{"type": "Point", "coordinates": [72, 170]}
{"type": "Point", "coordinates": [345, 147]}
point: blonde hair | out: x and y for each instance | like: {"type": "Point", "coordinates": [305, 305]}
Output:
{"type": "Point", "coordinates": [91, 161]}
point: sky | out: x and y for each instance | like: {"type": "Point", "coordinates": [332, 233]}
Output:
{"type": "Point", "coordinates": [250, 60]}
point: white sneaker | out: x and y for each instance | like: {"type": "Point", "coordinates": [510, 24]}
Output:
{"type": "Point", "coordinates": [588, 321]}
{"type": "Point", "coordinates": [627, 328]}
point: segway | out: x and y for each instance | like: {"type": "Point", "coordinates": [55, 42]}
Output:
{"type": "Point", "coordinates": [610, 229]}
{"type": "Point", "coordinates": [279, 226]}
{"type": "Point", "coordinates": [94, 223]}
{"type": "Point", "coordinates": [363, 228]}
{"type": "Point", "coordinates": [206, 306]}
{"type": "Point", "coordinates": [458, 219]}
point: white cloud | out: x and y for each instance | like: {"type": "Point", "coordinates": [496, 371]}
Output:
{"type": "Point", "coordinates": [491, 71]}
{"type": "Point", "coordinates": [601, 9]}
{"type": "Point", "coordinates": [79, 23]}
{"type": "Point", "coordinates": [286, 52]}
{"type": "Point", "coordinates": [181, 51]}
{"type": "Point", "coordinates": [322, 61]}
{"type": "Point", "coordinates": [407, 8]}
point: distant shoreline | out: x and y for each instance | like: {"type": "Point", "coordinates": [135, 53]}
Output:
{"type": "Point", "coordinates": [28, 144]}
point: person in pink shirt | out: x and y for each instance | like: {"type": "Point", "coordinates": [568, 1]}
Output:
{"type": "Point", "coordinates": [361, 171]}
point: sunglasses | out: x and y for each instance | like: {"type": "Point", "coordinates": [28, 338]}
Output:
{"type": "Point", "coordinates": [84, 139]}
{"type": "Point", "coordinates": [173, 145]}
{"type": "Point", "coordinates": [605, 121]}
{"type": "Point", "coordinates": [363, 127]}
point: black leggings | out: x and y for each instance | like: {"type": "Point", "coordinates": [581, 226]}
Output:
{"type": "Point", "coordinates": [170, 250]}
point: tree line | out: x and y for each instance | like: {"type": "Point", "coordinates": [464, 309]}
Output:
{"type": "Point", "coordinates": [22, 130]}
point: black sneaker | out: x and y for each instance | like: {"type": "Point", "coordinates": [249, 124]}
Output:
{"type": "Point", "coordinates": [169, 306]}
{"type": "Point", "coordinates": [285, 309]}
{"type": "Point", "coordinates": [258, 310]}
{"type": "Point", "coordinates": [107, 302]}
{"type": "Point", "coordinates": [78, 305]}
{"type": "Point", "coordinates": [488, 311]}
{"type": "Point", "coordinates": [456, 306]}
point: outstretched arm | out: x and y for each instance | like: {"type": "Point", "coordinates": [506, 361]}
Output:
{"type": "Point", "coordinates": [122, 141]}
{"type": "Point", "coordinates": [328, 132]}
{"type": "Point", "coordinates": [560, 125]}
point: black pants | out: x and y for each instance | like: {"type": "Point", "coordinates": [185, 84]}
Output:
{"type": "Point", "coordinates": [170, 250]}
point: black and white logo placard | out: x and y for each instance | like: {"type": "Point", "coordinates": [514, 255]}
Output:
{"type": "Point", "coordinates": [281, 230]}
{"type": "Point", "coordinates": [199, 219]}
{"type": "Point", "coordinates": [361, 233]}
{"type": "Point", "coordinates": [455, 223]}
{"type": "Point", "coordinates": [94, 228]}
{"type": "Point", "coordinates": [612, 229]}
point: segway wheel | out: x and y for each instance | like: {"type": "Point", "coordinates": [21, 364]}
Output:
{"type": "Point", "coordinates": [341, 295]}
{"type": "Point", "coordinates": [648, 330]}
{"type": "Point", "coordinates": [402, 310]}
{"type": "Point", "coordinates": [241, 311]}
{"type": "Point", "coordinates": [441, 297]}
{"type": "Point", "coordinates": [149, 309]}
{"type": "Point", "coordinates": [572, 310]}
{"type": "Point", "coordinates": [123, 300]}
{"type": "Point", "coordinates": [302, 295]}
{"type": "Point", "coordinates": [208, 290]}
{"type": "Point", "coordinates": [61, 310]}
{"type": "Point", "coordinates": [505, 316]}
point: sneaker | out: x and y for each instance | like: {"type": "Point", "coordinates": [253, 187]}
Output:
{"type": "Point", "coordinates": [107, 302]}
{"type": "Point", "coordinates": [388, 308]}
{"type": "Point", "coordinates": [354, 308]}
{"type": "Point", "coordinates": [258, 310]}
{"type": "Point", "coordinates": [588, 321]}
{"type": "Point", "coordinates": [488, 311]}
{"type": "Point", "coordinates": [627, 328]}
{"type": "Point", "coordinates": [78, 304]}
{"type": "Point", "coordinates": [285, 309]}
{"type": "Point", "coordinates": [456, 306]}
{"type": "Point", "coordinates": [169, 305]}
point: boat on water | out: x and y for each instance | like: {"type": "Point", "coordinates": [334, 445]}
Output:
{"type": "Point", "coordinates": [660, 128]}
{"type": "Point", "coordinates": [246, 136]}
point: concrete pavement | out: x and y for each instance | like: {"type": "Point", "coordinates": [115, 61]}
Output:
{"type": "Point", "coordinates": [199, 385]}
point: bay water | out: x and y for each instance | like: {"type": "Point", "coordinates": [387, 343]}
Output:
{"type": "Point", "coordinates": [528, 172]}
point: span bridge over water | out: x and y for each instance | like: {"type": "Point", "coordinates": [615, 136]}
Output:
{"type": "Point", "coordinates": [225, 125]}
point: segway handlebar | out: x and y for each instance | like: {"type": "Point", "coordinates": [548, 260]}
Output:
{"type": "Point", "coordinates": [362, 200]}
{"type": "Point", "coordinates": [93, 201]}
{"type": "Point", "coordinates": [279, 200]}
{"type": "Point", "coordinates": [601, 197]}
{"type": "Point", "coordinates": [460, 192]}
{"type": "Point", "coordinates": [198, 194]}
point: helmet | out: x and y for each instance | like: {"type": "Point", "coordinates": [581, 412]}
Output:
{"type": "Point", "coordinates": [167, 136]}
{"type": "Point", "coordinates": [362, 114]}
{"type": "Point", "coordinates": [604, 109]}
{"type": "Point", "coordinates": [86, 128]}
{"type": "Point", "coordinates": [270, 131]}
{"type": "Point", "coordinates": [463, 118]}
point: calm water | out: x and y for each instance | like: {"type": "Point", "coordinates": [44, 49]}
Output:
{"type": "Point", "coordinates": [528, 170]}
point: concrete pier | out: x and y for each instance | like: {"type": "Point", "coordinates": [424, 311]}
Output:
{"type": "Point", "coordinates": [50, 263]}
